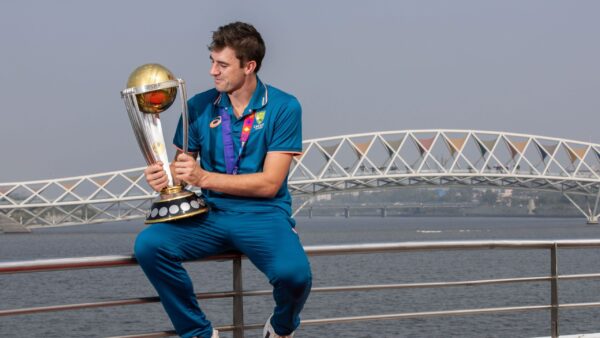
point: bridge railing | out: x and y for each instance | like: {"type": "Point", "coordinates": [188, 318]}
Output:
{"type": "Point", "coordinates": [237, 294]}
{"type": "Point", "coordinates": [433, 157]}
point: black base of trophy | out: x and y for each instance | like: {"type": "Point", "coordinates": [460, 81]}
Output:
{"type": "Point", "coordinates": [176, 206]}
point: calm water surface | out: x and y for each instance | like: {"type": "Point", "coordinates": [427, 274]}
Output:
{"type": "Point", "coordinates": [52, 288]}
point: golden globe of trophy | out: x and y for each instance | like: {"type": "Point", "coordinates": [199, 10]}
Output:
{"type": "Point", "coordinates": [151, 90]}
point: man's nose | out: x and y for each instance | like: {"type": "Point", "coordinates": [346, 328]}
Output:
{"type": "Point", "coordinates": [213, 70]}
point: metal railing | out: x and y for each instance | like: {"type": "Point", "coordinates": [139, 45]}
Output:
{"type": "Point", "coordinates": [238, 327]}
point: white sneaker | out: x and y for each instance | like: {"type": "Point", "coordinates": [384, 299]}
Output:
{"type": "Point", "coordinates": [268, 331]}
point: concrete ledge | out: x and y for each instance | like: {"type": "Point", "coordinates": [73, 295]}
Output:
{"type": "Point", "coordinates": [9, 226]}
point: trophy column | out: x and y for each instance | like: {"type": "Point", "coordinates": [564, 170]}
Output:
{"type": "Point", "coordinates": [151, 90]}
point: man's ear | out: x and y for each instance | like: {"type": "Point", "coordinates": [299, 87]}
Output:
{"type": "Point", "coordinates": [250, 67]}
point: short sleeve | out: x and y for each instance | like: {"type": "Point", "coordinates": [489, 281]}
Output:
{"type": "Point", "coordinates": [287, 130]}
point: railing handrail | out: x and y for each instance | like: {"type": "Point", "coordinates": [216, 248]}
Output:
{"type": "Point", "coordinates": [312, 250]}
{"type": "Point", "coordinates": [238, 293]}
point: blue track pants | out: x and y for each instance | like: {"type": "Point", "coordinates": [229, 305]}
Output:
{"type": "Point", "coordinates": [267, 239]}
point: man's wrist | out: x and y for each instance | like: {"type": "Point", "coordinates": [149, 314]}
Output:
{"type": "Point", "coordinates": [204, 179]}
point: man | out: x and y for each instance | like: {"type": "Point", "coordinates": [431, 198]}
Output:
{"type": "Point", "coordinates": [245, 184]}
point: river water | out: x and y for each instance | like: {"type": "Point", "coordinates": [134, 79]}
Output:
{"type": "Point", "coordinates": [52, 288]}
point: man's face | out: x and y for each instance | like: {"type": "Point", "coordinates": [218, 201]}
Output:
{"type": "Point", "coordinates": [226, 70]}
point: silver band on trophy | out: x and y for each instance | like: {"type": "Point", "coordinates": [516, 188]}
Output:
{"type": "Point", "coordinates": [152, 89]}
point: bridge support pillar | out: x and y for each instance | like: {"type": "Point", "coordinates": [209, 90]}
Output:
{"type": "Point", "coordinates": [591, 214]}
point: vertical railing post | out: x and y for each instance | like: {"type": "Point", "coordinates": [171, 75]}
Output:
{"type": "Point", "coordinates": [238, 299]}
{"type": "Point", "coordinates": [554, 290]}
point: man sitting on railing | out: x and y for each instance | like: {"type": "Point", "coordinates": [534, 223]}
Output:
{"type": "Point", "coordinates": [248, 195]}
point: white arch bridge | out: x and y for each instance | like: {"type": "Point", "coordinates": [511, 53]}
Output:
{"type": "Point", "coordinates": [351, 162]}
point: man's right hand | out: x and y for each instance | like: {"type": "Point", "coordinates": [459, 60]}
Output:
{"type": "Point", "coordinates": [156, 176]}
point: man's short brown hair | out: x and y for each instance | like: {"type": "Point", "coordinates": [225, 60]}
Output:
{"type": "Point", "coordinates": [244, 39]}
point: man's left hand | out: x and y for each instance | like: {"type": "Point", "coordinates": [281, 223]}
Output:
{"type": "Point", "coordinates": [187, 170]}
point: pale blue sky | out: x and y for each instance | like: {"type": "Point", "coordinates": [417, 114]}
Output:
{"type": "Point", "coordinates": [356, 66]}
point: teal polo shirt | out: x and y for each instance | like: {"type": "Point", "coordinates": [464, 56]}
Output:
{"type": "Point", "coordinates": [277, 127]}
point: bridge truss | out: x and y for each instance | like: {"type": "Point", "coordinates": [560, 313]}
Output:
{"type": "Point", "coordinates": [352, 162]}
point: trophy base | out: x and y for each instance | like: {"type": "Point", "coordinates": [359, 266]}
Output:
{"type": "Point", "coordinates": [175, 204]}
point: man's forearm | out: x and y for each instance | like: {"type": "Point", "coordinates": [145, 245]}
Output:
{"type": "Point", "coordinates": [264, 184]}
{"type": "Point", "coordinates": [250, 185]}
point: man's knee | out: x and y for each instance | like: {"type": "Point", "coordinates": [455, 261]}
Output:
{"type": "Point", "coordinates": [147, 246]}
{"type": "Point", "coordinates": [297, 277]}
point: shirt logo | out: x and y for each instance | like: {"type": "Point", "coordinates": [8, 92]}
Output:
{"type": "Point", "coordinates": [259, 118]}
{"type": "Point", "coordinates": [214, 123]}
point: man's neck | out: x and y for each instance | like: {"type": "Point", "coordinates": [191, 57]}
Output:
{"type": "Point", "coordinates": [241, 97]}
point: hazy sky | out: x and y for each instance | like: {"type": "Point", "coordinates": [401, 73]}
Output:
{"type": "Point", "coordinates": [356, 66]}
